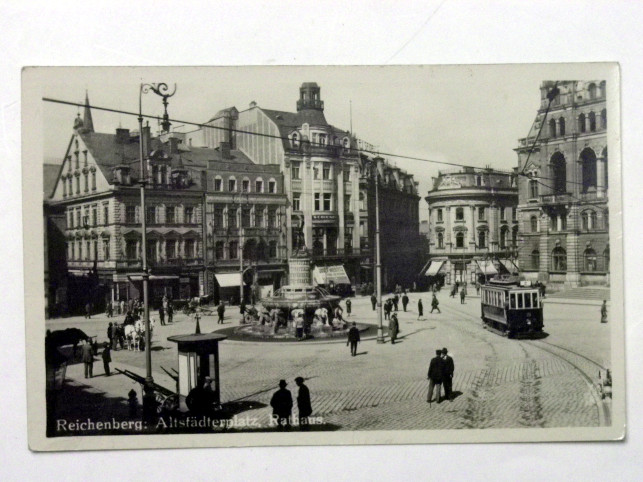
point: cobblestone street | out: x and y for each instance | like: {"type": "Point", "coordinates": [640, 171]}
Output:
{"type": "Point", "coordinates": [498, 383]}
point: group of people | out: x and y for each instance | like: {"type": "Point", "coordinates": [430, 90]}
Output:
{"type": "Point", "coordinates": [166, 308]}
{"type": "Point", "coordinates": [440, 374]}
{"type": "Point", "coordinates": [282, 405]}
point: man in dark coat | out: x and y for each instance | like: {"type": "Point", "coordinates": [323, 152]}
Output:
{"type": "Point", "coordinates": [435, 376]}
{"type": "Point", "coordinates": [281, 404]}
{"type": "Point", "coordinates": [396, 300]}
{"type": "Point", "coordinates": [303, 404]}
{"type": "Point", "coordinates": [449, 368]}
{"type": "Point", "coordinates": [107, 358]}
{"type": "Point", "coordinates": [373, 301]}
{"type": "Point", "coordinates": [435, 304]}
{"type": "Point", "coordinates": [220, 312]}
{"type": "Point", "coordinates": [463, 293]}
{"type": "Point", "coordinates": [110, 333]}
{"type": "Point", "coordinates": [393, 328]}
{"type": "Point", "coordinates": [353, 339]}
{"type": "Point", "coordinates": [349, 304]}
{"type": "Point", "coordinates": [88, 358]}
{"type": "Point", "coordinates": [170, 312]}
{"type": "Point", "coordinates": [420, 309]}
{"type": "Point", "coordinates": [162, 315]}
{"type": "Point", "coordinates": [388, 305]}
{"type": "Point", "coordinates": [405, 301]}
{"type": "Point", "coordinates": [88, 310]}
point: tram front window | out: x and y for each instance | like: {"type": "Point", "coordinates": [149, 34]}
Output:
{"type": "Point", "coordinates": [519, 296]}
{"type": "Point", "coordinates": [513, 300]}
{"type": "Point", "coordinates": [534, 297]}
{"type": "Point", "coordinates": [527, 300]}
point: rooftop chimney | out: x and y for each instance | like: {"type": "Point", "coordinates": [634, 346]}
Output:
{"type": "Point", "coordinates": [122, 135]}
{"type": "Point", "coordinates": [224, 148]}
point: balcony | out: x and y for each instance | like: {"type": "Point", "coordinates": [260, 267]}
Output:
{"type": "Point", "coordinates": [560, 198]}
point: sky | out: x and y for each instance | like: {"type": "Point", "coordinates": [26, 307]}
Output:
{"type": "Point", "coordinates": [472, 115]}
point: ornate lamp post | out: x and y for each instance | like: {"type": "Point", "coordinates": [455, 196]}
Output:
{"type": "Point", "coordinates": [378, 262]}
{"type": "Point", "coordinates": [162, 90]}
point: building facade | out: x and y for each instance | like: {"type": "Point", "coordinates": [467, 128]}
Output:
{"type": "Point", "coordinates": [473, 225]}
{"type": "Point", "coordinates": [563, 187]}
{"type": "Point", "coordinates": [324, 180]}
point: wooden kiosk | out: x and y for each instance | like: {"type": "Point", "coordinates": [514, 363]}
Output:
{"type": "Point", "coordinates": [198, 358]}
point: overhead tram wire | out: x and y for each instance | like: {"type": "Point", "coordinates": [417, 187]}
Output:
{"type": "Point", "coordinates": [271, 136]}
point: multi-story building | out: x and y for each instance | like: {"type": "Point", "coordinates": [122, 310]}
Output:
{"type": "Point", "coordinates": [473, 225]}
{"type": "Point", "coordinates": [328, 196]}
{"type": "Point", "coordinates": [563, 186]}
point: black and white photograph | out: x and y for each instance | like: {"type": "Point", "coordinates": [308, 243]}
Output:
{"type": "Point", "coordinates": [331, 255]}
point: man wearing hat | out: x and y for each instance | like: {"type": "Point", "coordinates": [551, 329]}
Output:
{"type": "Point", "coordinates": [435, 376]}
{"type": "Point", "coordinates": [281, 404]}
{"type": "Point", "coordinates": [449, 368]}
{"type": "Point", "coordinates": [303, 404]}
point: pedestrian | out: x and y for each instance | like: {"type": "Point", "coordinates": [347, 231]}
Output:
{"type": "Point", "coordinates": [396, 300]}
{"type": "Point", "coordinates": [122, 307]}
{"type": "Point", "coordinates": [88, 310]}
{"type": "Point", "coordinates": [299, 326]}
{"type": "Point", "coordinates": [435, 304]}
{"type": "Point", "coordinates": [221, 313]}
{"type": "Point", "coordinates": [373, 301]}
{"type": "Point", "coordinates": [393, 328]}
{"type": "Point", "coordinates": [447, 379]}
{"type": "Point", "coordinates": [107, 358]}
{"type": "Point", "coordinates": [132, 402]}
{"type": "Point", "coordinates": [88, 358]}
{"type": "Point", "coordinates": [387, 309]}
{"type": "Point", "coordinates": [353, 339]}
{"type": "Point", "coordinates": [420, 309]}
{"type": "Point", "coordinates": [110, 333]}
{"type": "Point", "coordinates": [170, 311]}
{"type": "Point", "coordinates": [281, 403]}
{"type": "Point", "coordinates": [349, 304]}
{"type": "Point", "coordinates": [463, 293]}
{"type": "Point", "coordinates": [405, 301]}
{"type": "Point", "coordinates": [435, 374]}
{"type": "Point", "coordinates": [604, 312]}
{"type": "Point", "coordinates": [200, 400]}
{"type": "Point", "coordinates": [110, 309]}
{"type": "Point", "coordinates": [162, 315]}
{"type": "Point", "coordinates": [242, 308]}
{"type": "Point", "coordinates": [303, 404]}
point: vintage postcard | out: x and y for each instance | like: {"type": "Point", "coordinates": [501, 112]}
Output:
{"type": "Point", "coordinates": [248, 256]}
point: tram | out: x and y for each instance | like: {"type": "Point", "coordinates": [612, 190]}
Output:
{"type": "Point", "coordinates": [511, 309]}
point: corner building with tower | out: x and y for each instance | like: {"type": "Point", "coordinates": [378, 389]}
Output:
{"type": "Point", "coordinates": [563, 188]}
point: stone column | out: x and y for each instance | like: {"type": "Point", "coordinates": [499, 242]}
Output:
{"type": "Point", "coordinates": [472, 230]}
{"type": "Point", "coordinates": [493, 229]}
{"type": "Point", "coordinates": [307, 195]}
{"type": "Point", "coordinates": [600, 177]}
{"type": "Point", "coordinates": [355, 207]}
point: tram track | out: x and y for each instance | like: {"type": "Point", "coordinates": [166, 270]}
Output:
{"type": "Point", "coordinates": [584, 366]}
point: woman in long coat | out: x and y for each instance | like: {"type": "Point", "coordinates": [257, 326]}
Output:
{"type": "Point", "coordinates": [420, 309]}
{"type": "Point", "coordinates": [393, 328]}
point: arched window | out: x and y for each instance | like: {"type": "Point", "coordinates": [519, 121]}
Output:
{"type": "Point", "coordinates": [295, 140]}
{"type": "Point", "coordinates": [440, 240]}
{"type": "Point", "coordinates": [592, 121]}
{"type": "Point", "coordinates": [604, 119]}
{"type": "Point", "coordinates": [592, 91]}
{"type": "Point", "coordinates": [482, 240]}
{"type": "Point", "coordinates": [602, 92]}
{"type": "Point", "coordinates": [606, 164]}
{"type": "Point", "coordinates": [585, 220]}
{"type": "Point", "coordinates": [561, 126]}
{"type": "Point", "coordinates": [581, 123]}
{"type": "Point", "coordinates": [459, 240]}
{"type": "Point", "coordinates": [559, 259]}
{"type": "Point", "coordinates": [588, 162]}
{"type": "Point", "coordinates": [552, 128]}
{"type": "Point", "coordinates": [533, 221]}
{"type": "Point", "coordinates": [535, 259]}
{"type": "Point", "coordinates": [589, 260]}
{"type": "Point", "coordinates": [559, 171]}
{"type": "Point", "coordinates": [593, 220]}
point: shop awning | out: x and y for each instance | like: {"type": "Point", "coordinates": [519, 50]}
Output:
{"type": "Point", "coordinates": [487, 267]}
{"type": "Point", "coordinates": [323, 275]}
{"type": "Point", "coordinates": [434, 268]}
{"type": "Point", "coordinates": [227, 280]}
{"type": "Point", "coordinates": [509, 265]}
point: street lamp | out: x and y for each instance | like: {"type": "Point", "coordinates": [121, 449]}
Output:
{"type": "Point", "coordinates": [378, 262]}
{"type": "Point", "coordinates": [162, 90]}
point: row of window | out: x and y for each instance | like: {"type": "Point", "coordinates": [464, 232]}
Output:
{"type": "Point", "coordinates": [482, 240]}
{"type": "Point", "coordinates": [591, 261]}
{"type": "Point", "coordinates": [68, 182]}
{"type": "Point", "coordinates": [88, 250]}
{"type": "Point", "coordinates": [161, 214]}
{"type": "Point", "coordinates": [86, 216]}
{"type": "Point", "coordinates": [251, 250]}
{"type": "Point", "coordinates": [259, 185]}
{"type": "Point", "coordinates": [589, 222]}
{"type": "Point", "coordinates": [219, 216]}
{"type": "Point", "coordinates": [481, 214]}
{"type": "Point", "coordinates": [586, 123]}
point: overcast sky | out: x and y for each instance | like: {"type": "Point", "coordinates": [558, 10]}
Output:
{"type": "Point", "coordinates": [472, 115]}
